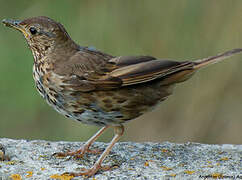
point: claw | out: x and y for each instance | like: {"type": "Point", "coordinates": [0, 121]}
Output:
{"type": "Point", "coordinates": [77, 154]}
{"type": "Point", "coordinates": [88, 172]}
{"type": "Point", "coordinates": [59, 154]}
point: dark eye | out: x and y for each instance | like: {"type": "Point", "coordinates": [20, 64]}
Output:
{"type": "Point", "coordinates": [32, 30]}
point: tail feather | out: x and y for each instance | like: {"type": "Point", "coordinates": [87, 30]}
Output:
{"type": "Point", "coordinates": [214, 59]}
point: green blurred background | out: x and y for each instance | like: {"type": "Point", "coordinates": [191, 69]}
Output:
{"type": "Point", "coordinates": [206, 109]}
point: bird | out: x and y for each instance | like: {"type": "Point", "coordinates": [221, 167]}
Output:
{"type": "Point", "coordinates": [97, 88]}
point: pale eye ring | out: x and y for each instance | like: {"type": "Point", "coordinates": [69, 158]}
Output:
{"type": "Point", "coordinates": [32, 30]}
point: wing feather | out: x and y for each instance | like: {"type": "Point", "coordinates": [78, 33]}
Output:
{"type": "Point", "coordinates": [90, 72]}
{"type": "Point", "coordinates": [148, 71]}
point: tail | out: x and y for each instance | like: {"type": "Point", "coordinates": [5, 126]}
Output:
{"type": "Point", "coordinates": [214, 59]}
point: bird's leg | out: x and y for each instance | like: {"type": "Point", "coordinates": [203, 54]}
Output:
{"type": "Point", "coordinates": [118, 130]}
{"type": "Point", "coordinates": [80, 152]}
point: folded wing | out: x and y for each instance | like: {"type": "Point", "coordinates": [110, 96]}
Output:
{"type": "Point", "coordinates": [99, 72]}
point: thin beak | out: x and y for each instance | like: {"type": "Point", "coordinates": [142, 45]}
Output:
{"type": "Point", "coordinates": [13, 24]}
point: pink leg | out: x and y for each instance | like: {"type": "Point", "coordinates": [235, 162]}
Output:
{"type": "Point", "coordinates": [85, 148]}
{"type": "Point", "coordinates": [118, 130]}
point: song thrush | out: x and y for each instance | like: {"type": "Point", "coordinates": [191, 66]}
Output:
{"type": "Point", "coordinates": [96, 88]}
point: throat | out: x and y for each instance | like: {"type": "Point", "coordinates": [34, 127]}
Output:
{"type": "Point", "coordinates": [39, 52]}
{"type": "Point", "coordinates": [50, 52]}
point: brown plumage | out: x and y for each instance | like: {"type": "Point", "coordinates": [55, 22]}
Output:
{"type": "Point", "coordinates": [93, 87]}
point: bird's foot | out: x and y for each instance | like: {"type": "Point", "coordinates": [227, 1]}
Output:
{"type": "Point", "coordinates": [88, 172]}
{"type": "Point", "coordinates": [77, 154]}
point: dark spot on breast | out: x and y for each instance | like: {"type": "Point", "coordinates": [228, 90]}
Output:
{"type": "Point", "coordinates": [78, 112]}
{"type": "Point", "coordinates": [47, 97]}
{"type": "Point", "coordinates": [105, 70]}
{"type": "Point", "coordinates": [42, 70]}
{"type": "Point", "coordinates": [99, 123]}
{"type": "Point", "coordinates": [52, 101]}
{"type": "Point", "coordinates": [115, 109]}
{"type": "Point", "coordinates": [94, 110]}
{"type": "Point", "coordinates": [56, 95]}
{"type": "Point", "coordinates": [119, 116]}
{"type": "Point", "coordinates": [108, 105]}
{"type": "Point", "coordinates": [86, 105]}
{"type": "Point", "coordinates": [121, 100]}
{"type": "Point", "coordinates": [51, 93]}
{"type": "Point", "coordinates": [75, 106]}
{"type": "Point", "coordinates": [68, 116]}
{"type": "Point", "coordinates": [39, 89]}
{"type": "Point", "coordinates": [51, 89]}
{"type": "Point", "coordinates": [107, 101]}
{"type": "Point", "coordinates": [47, 47]}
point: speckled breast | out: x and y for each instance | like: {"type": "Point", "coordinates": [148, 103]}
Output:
{"type": "Point", "coordinates": [99, 107]}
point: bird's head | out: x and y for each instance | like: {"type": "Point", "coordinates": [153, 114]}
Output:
{"type": "Point", "coordinates": [42, 33]}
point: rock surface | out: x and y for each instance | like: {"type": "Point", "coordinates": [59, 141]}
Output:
{"type": "Point", "coordinates": [34, 160]}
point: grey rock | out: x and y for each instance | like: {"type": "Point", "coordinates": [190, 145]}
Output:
{"type": "Point", "coordinates": [132, 160]}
